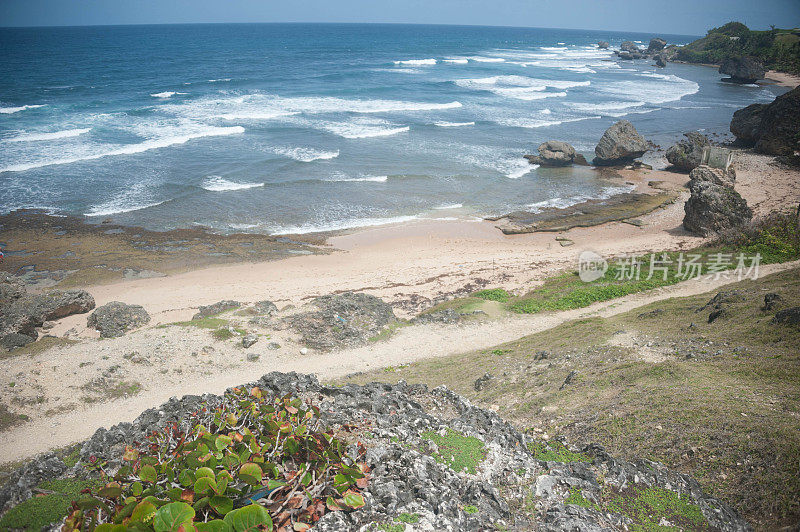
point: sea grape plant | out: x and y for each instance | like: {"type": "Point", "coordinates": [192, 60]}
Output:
{"type": "Point", "coordinates": [251, 463]}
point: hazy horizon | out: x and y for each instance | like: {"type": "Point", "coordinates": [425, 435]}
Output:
{"type": "Point", "coordinates": [682, 17]}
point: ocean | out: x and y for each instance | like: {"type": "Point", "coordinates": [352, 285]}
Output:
{"type": "Point", "coordinates": [295, 128]}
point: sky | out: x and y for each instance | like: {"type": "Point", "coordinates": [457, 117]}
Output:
{"type": "Point", "coordinates": [686, 17]}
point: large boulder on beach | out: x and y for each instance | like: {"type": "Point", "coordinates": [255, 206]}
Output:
{"type": "Point", "coordinates": [656, 45]}
{"type": "Point", "coordinates": [22, 313]}
{"type": "Point", "coordinates": [620, 144]}
{"type": "Point", "coordinates": [115, 319]}
{"type": "Point", "coordinates": [687, 154]}
{"type": "Point", "coordinates": [743, 69]}
{"type": "Point", "coordinates": [746, 123]}
{"type": "Point", "coordinates": [714, 205]}
{"type": "Point", "coordinates": [342, 320]}
{"type": "Point", "coordinates": [771, 128]}
{"type": "Point", "coordinates": [553, 153]}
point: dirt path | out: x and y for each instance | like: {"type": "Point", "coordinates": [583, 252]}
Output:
{"type": "Point", "coordinates": [408, 345]}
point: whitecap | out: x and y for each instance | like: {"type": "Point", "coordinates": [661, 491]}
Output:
{"type": "Point", "coordinates": [167, 94]}
{"type": "Point", "coordinates": [363, 179]}
{"type": "Point", "coordinates": [483, 59]}
{"type": "Point", "coordinates": [361, 128]}
{"type": "Point", "coordinates": [32, 137]}
{"type": "Point", "coordinates": [456, 60]}
{"type": "Point", "coordinates": [339, 225]}
{"type": "Point", "coordinates": [119, 206]}
{"type": "Point", "coordinates": [10, 110]}
{"type": "Point", "coordinates": [215, 183]}
{"type": "Point", "coordinates": [533, 124]}
{"type": "Point", "coordinates": [129, 149]}
{"type": "Point", "coordinates": [306, 155]}
{"type": "Point", "coordinates": [449, 206]}
{"type": "Point", "coordinates": [454, 124]}
{"type": "Point", "coordinates": [416, 62]}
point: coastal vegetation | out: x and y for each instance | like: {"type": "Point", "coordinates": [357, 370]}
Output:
{"type": "Point", "coordinates": [716, 400]}
{"type": "Point", "coordinates": [778, 49]}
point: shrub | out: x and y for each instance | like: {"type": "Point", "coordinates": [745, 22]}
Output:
{"type": "Point", "coordinates": [250, 462]}
{"type": "Point", "coordinates": [493, 294]}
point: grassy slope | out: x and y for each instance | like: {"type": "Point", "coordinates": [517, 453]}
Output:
{"type": "Point", "coordinates": [728, 415]}
{"type": "Point", "coordinates": [778, 49]}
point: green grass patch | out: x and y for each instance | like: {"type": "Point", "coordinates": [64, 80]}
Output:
{"type": "Point", "coordinates": [40, 511]}
{"type": "Point", "coordinates": [389, 330]}
{"type": "Point", "coordinates": [458, 452]}
{"type": "Point", "coordinates": [470, 509]}
{"type": "Point", "coordinates": [576, 497]}
{"type": "Point", "coordinates": [204, 323]}
{"type": "Point", "coordinates": [555, 451]}
{"type": "Point", "coordinates": [493, 294]}
{"type": "Point", "coordinates": [408, 518]}
{"type": "Point", "coordinates": [647, 507]}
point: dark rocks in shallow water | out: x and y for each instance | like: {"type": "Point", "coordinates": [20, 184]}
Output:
{"type": "Point", "coordinates": [687, 154]}
{"type": "Point", "coordinates": [553, 153]}
{"type": "Point", "coordinates": [743, 69]}
{"type": "Point", "coordinates": [217, 308]}
{"type": "Point", "coordinates": [629, 46]}
{"type": "Point", "coordinates": [661, 60]}
{"type": "Point", "coordinates": [603, 45]}
{"type": "Point", "coordinates": [348, 319]}
{"type": "Point", "coordinates": [115, 319]}
{"type": "Point", "coordinates": [620, 144]}
{"type": "Point", "coordinates": [656, 45]}
{"type": "Point", "coordinates": [714, 205]}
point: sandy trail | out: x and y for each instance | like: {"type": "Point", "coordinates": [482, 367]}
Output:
{"type": "Point", "coordinates": [408, 345]}
{"type": "Point", "coordinates": [408, 265]}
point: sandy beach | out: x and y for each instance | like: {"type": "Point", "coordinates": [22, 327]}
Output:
{"type": "Point", "coordinates": [783, 79]}
{"type": "Point", "coordinates": [412, 266]}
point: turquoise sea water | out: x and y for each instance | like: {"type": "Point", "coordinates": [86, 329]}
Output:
{"type": "Point", "coordinates": [291, 128]}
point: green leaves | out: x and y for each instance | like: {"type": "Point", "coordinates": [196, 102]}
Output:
{"type": "Point", "coordinates": [171, 517]}
{"type": "Point", "coordinates": [251, 473]}
{"type": "Point", "coordinates": [148, 473]}
{"type": "Point", "coordinates": [249, 518]}
{"type": "Point", "coordinates": [248, 448]}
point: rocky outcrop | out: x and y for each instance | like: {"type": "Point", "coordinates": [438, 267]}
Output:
{"type": "Point", "coordinates": [661, 60]}
{"type": "Point", "coordinates": [629, 50]}
{"type": "Point", "coordinates": [219, 307]}
{"type": "Point", "coordinates": [22, 313]}
{"type": "Point", "coordinates": [743, 69]}
{"type": "Point", "coordinates": [410, 475]}
{"type": "Point", "coordinates": [603, 45]}
{"type": "Point", "coordinates": [656, 45]}
{"type": "Point", "coordinates": [770, 128]}
{"type": "Point", "coordinates": [553, 153]}
{"type": "Point", "coordinates": [115, 319]}
{"type": "Point", "coordinates": [620, 144]}
{"type": "Point", "coordinates": [714, 205]}
{"type": "Point", "coordinates": [629, 46]}
{"type": "Point", "coordinates": [342, 320]}
{"type": "Point", "coordinates": [687, 154]}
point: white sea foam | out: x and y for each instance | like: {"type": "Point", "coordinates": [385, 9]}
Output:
{"type": "Point", "coordinates": [533, 123]}
{"type": "Point", "coordinates": [10, 110]}
{"type": "Point", "coordinates": [218, 80]}
{"type": "Point", "coordinates": [456, 60]}
{"type": "Point", "coordinates": [339, 225]}
{"type": "Point", "coordinates": [128, 149]}
{"type": "Point", "coordinates": [119, 206]}
{"type": "Point", "coordinates": [562, 203]}
{"type": "Point", "coordinates": [31, 137]}
{"type": "Point", "coordinates": [454, 124]}
{"type": "Point", "coordinates": [416, 62]}
{"type": "Point", "coordinates": [483, 59]}
{"type": "Point", "coordinates": [215, 183]}
{"type": "Point", "coordinates": [365, 179]}
{"type": "Point", "coordinates": [660, 88]}
{"type": "Point", "coordinates": [449, 206]}
{"type": "Point", "coordinates": [603, 106]}
{"type": "Point", "coordinates": [167, 94]}
{"type": "Point", "coordinates": [256, 115]}
{"type": "Point", "coordinates": [306, 155]}
{"type": "Point", "coordinates": [361, 128]}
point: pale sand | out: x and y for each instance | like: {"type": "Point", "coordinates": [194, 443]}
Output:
{"type": "Point", "coordinates": [783, 79]}
{"type": "Point", "coordinates": [408, 265]}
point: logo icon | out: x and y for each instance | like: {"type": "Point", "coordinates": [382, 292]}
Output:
{"type": "Point", "coordinates": [591, 266]}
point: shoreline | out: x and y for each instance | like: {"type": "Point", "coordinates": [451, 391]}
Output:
{"type": "Point", "coordinates": [412, 266]}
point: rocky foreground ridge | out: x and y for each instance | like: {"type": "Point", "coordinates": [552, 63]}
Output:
{"type": "Point", "coordinates": [439, 463]}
